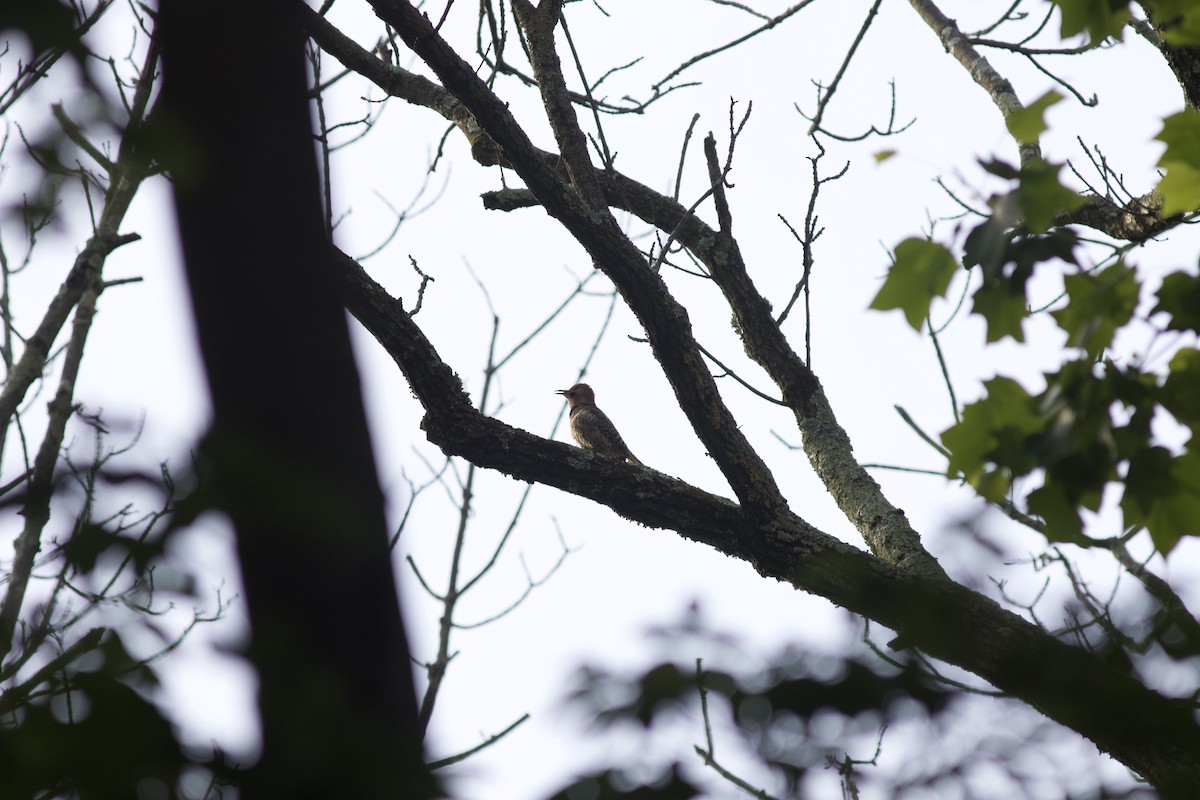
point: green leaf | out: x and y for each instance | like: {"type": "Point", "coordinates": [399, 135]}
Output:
{"type": "Point", "coordinates": [921, 272]}
{"type": "Point", "coordinates": [1000, 298]}
{"type": "Point", "coordinates": [1181, 391]}
{"type": "Point", "coordinates": [1001, 169]}
{"type": "Point", "coordinates": [993, 430]}
{"type": "Point", "coordinates": [1180, 187]}
{"type": "Point", "coordinates": [1147, 482]}
{"type": "Point", "coordinates": [1063, 523]}
{"type": "Point", "coordinates": [1098, 304]}
{"type": "Point", "coordinates": [1003, 308]}
{"type": "Point", "coordinates": [1078, 448]}
{"type": "Point", "coordinates": [1179, 296]}
{"type": "Point", "coordinates": [1184, 30]}
{"type": "Point", "coordinates": [1139, 393]}
{"type": "Point", "coordinates": [1100, 19]}
{"type": "Point", "coordinates": [1027, 251]}
{"type": "Point", "coordinates": [1164, 495]}
{"type": "Point", "coordinates": [884, 155]}
{"type": "Point", "coordinates": [1027, 124]}
{"type": "Point", "coordinates": [1040, 197]}
{"type": "Point", "coordinates": [993, 484]}
{"type": "Point", "coordinates": [986, 246]}
{"type": "Point", "coordinates": [1181, 135]}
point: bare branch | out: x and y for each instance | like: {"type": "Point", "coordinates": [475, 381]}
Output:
{"type": "Point", "coordinates": [837, 79]}
{"type": "Point", "coordinates": [959, 46]}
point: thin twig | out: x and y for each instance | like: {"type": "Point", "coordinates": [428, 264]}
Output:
{"type": "Point", "coordinates": [837, 79]}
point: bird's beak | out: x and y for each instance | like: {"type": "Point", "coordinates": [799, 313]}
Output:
{"type": "Point", "coordinates": [562, 391]}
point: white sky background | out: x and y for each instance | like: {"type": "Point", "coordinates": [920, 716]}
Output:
{"type": "Point", "coordinates": [622, 578]}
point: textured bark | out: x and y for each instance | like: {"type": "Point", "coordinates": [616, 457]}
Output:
{"type": "Point", "coordinates": [1136, 221]}
{"type": "Point", "coordinates": [667, 325]}
{"type": "Point", "coordinates": [898, 584]}
{"type": "Point", "coordinates": [1153, 735]}
{"type": "Point", "coordinates": [982, 72]}
{"type": "Point", "coordinates": [1184, 62]}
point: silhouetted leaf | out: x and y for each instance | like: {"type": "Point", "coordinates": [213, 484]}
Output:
{"type": "Point", "coordinates": [1099, 19]}
{"type": "Point", "coordinates": [1181, 390]}
{"type": "Point", "coordinates": [1040, 197]}
{"type": "Point", "coordinates": [1063, 523]}
{"type": "Point", "coordinates": [1184, 15]}
{"type": "Point", "coordinates": [1164, 496]}
{"type": "Point", "coordinates": [615, 785]}
{"type": "Point", "coordinates": [1004, 309]}
{"type": "Point", "coordinates": [102, 744]}
{"type": "Point", "coordinates": [1001, 169]}
{"type": "Point", "coordinates": [1027, 124]}
{"type": "Point", "coordinates": [47, 23]}
{"type": "Point", "coordinates": [994, 430]}
{"type": "Point", "coordinates": [1006, 265]}
{"type": "Point", "coordinates": [1180, 187]}
{"type": "Point", "coordinates": [921, 272]}
{"type": "Point", "coordinates": [1179, 296]}
{"type": "Point", "coordinates": [986, 245]}
{"type": "Point", "coordinates": [1097, 305]}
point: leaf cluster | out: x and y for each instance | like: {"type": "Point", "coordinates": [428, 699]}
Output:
{"type": "Point", "coordinates": [1092, 424]}
{"type": "Point", "coordinates": [1104, 19]}
{"type": "Point", "coordinates": [779, 711]}
{"type": "Point", "coordinates": [92, 732]}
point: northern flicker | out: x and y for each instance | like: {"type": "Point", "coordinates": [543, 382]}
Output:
{"type": "Point", "coordinates": [592, 429]}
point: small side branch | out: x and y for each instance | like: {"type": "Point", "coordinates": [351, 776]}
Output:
{"type": "Point", "coordinates": [958, 45]}
{"type": "Point", "coordinates": [837, 79]}
{"type": "Point", "coordinates": [491, 740]}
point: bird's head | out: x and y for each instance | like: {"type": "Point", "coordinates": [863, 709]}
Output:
{"type": "Point", "coordinates": [579, 394]}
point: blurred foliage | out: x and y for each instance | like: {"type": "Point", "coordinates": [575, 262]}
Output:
{"type": "Point", "coordinates": [1087, 429]}
{"type": "Point", "coordinates": [78, 710]}
{"type": "Point", "coordinates": [1103, 19]}
{"type": "Point", "coordinates": [616, 785]}
{"type": "Point", "coordinates": [1038, 196]}
{"type": "Point", "coordinates": [1027, 124]}
{"type": "Point", "coordinates": [49, 25]}
{"type": "Point", "coordinates": [783, 712]}
{"type": "Point", "coordinates": [1180, 187]}
{"type": "Point", "coordinates": [1091, 427]}
{"type": "Point", "coordinates": [92, 732]}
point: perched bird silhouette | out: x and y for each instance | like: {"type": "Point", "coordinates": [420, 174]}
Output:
{"type": "Point", "coordinates": [591, 427]}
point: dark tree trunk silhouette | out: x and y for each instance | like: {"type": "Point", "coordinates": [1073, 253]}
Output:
{"type": "Point", "coordinates": [289, 450]}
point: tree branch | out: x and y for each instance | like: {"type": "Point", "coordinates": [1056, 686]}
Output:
{"type": "Point", "coordinates": [666, 322]}
{"type": "Point", "coordinates": [1155, 736]}
{"type": "Point", "coordinates": [958, 45]}
{"type": "Point", "coordinates": [1184, 62]}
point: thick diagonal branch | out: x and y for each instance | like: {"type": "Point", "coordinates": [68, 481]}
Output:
{"type": "Point", "coordinates": [1153, 735]}
{"type": "Point", "coordinates": [1135, 221]}
{"type": "Point", "coordinates": [666, 322]}
{"type": "Point", "coordinates": [882, 525]}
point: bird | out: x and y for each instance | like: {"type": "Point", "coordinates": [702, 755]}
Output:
{"type": "Point", "coordinates": [591, 427]}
